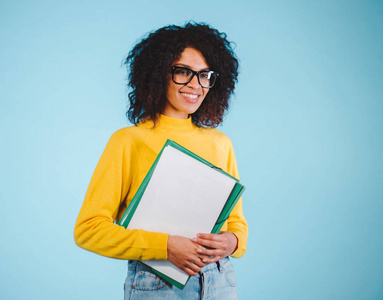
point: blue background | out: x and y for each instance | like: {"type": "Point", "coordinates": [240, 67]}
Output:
{"type": "Point", "coordinates": [306, 124]}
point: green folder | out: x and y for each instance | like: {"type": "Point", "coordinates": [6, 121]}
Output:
{"type": "Point", "coordinates": [181, 161]}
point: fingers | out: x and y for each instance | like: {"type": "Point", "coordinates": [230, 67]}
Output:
{"type": "Point", "coordinates": [193, 265]}
{"type": "Point", "coordinates": [183, 253]}
{"type": "Point", "coordinates": [217, 246]}
{"type": "Point", "coordinates": [209, 236]}
{"type": "Point", "coordinates": [212, 259]}
{"type": "Point", "coordinates": [208, 253]}
{"type": "Point", "coordinates": [209, 244]}
{"type": "Point", "coordinates": [191, 255]}
{"type": "Point", "coordinates": [212, 241]}
{"type": "Point", "coordinates": [191, 270]}
{"type": "Point", "coordinates": [198, 262]}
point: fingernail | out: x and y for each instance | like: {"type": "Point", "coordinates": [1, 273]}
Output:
{"type": "Point", "coordinates": [194, 239]}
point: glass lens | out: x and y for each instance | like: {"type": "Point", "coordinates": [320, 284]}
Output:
{"type": "Point", "coordinates": [207, 78]}
{"type": "Point", "coordinates": [182, 75]}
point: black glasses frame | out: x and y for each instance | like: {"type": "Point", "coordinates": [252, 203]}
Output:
{"type": "Point", "coordinates": [174, 68]}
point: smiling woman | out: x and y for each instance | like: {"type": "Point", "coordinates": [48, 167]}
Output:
{"type": "Point", "coordinates": [183, 99]}
{"type": "Point", "coordinates": [181, 80]}
{"type": "Point", "coordinates": [149, 66]}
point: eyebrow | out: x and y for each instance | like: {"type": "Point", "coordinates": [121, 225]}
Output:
{"type": "Point", "coordinates": [187, 66]}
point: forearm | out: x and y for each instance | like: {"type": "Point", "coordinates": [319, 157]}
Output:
{"type": "Point", "coordinates": [105, 238]}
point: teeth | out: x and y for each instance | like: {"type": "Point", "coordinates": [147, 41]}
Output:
{"type": "Point", "coordinates": [190, 95]}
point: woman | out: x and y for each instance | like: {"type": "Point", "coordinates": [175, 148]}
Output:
{"type": "Point", "coordinates": [181, 80]}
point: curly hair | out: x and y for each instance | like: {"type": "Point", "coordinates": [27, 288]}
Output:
{"type": "Point", "coordinates": [149, 63]}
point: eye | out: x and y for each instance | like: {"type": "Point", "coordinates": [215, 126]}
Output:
{"type": "Point", "coordinates": [182, 72]}
{"type": "Point", "coordinates": [205, 75]}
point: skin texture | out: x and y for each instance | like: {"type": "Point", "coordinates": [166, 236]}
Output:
{"type": "Point", "coordinates": [184, 254]}
{"type": "Point", "coordinates": [219, 245]}
{"type": "Point", "coordinates": [190, 255]}
{"type": "Point", "coordinates": [179, 104]}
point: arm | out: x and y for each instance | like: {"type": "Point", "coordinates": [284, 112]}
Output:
{"type": "Point", "coordinates": [95, 229]}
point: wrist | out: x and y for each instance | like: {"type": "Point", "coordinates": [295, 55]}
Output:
{"type": "Point", "coordinates": [235, 242]}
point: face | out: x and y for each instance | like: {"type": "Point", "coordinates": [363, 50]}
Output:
{"type": "Point", "coordinates": [183, 100]}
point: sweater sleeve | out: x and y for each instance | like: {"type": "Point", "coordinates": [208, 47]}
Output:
{"type": "Point", "coordinates": [95, 229]}
{"type": "Point", "coordinates": [236, 222]}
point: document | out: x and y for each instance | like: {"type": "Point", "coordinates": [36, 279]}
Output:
{"type": "Point", "coordinates": [182, 194]}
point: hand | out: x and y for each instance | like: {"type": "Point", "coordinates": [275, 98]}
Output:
{"type": "Point", "coordinates": [183, 253]}
{"type": "Point", "coordinates": [220, 245]}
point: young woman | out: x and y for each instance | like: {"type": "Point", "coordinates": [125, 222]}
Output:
{"type": "Point", "coordinates": [181, 79]}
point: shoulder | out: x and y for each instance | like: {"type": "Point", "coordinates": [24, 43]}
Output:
{"type": "Point", "coordinates": [127, 137]}
{"type": "Point", "coordinates": [130, 132]}
{"type": "Point", "coordinates": [124, 132]}
{"type": "Point", "coordinates": [220, 139]}
{"type": "Point", "coordinates": [218, 136]}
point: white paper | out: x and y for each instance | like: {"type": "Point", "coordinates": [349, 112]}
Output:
{"type": "Point", "coordinates": [184, 197]}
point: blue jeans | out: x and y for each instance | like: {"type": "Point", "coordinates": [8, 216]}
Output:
{"type": "Point", "coordinates": [215, 281]}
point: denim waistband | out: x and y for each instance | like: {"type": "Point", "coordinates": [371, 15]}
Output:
{"type": "Point", "coordinates": [214, 265]}
{"type": "Point", "coordinates": [208, 267]}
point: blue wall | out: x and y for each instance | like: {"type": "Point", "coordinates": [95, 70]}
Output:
{"type": "Point", "coordinates": [306, 123]}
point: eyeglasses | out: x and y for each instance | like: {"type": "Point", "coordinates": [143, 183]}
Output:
{"type": "Point", "coordinates": [182, 75]}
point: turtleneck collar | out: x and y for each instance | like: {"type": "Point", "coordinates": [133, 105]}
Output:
{"type": "Point", "coordinates": [171, 125]}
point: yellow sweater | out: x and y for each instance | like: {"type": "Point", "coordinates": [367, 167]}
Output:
{"type": "Point", "coordinates": [127, 158]}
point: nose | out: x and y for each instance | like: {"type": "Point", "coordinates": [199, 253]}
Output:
{"type": "Point", "coordinates": [193, 83]}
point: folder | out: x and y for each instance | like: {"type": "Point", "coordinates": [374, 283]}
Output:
{"type": "Point", "coordinates": [182, 194]}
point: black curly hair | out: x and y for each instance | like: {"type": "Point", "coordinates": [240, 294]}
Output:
{"type": "Point", "coordinates": [149, 65]}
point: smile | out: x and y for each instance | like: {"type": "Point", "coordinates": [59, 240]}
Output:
{"type": "Point", "coordinates": [191, 96]}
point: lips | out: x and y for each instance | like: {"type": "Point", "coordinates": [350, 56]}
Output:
{"type": "Point", "coordinates": [191, 96]}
